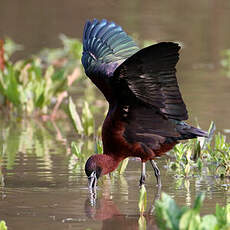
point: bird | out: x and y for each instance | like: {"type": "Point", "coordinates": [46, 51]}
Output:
{"type": "Point", "coordinates": [146, 111]}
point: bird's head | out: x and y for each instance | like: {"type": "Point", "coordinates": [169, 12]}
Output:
{"type": "Point", "coordinates": [98, 165]}
{"type": "Point", "coordinates": [93, 170]}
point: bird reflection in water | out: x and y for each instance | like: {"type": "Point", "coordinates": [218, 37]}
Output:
{"type": "Point", "coordinates": [105, 210]}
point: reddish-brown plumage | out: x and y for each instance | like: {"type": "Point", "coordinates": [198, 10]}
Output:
{"type": "Point", "coordinates": [116, 148]}
{"type": "Point", "coordinates": [103, 163]}
{"type": "Point", "coordinates": [114, 143]}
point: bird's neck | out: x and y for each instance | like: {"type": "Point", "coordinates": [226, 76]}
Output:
{"type": "Point", "coordinates": [107, 162]}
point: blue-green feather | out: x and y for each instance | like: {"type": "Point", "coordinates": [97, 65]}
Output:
{"type": "Point", "coordinates": [105, 47]}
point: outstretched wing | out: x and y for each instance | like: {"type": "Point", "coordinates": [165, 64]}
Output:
{"type": "Point", "coordinates": [150, 74]}
{"type": "Point", "coordinates": [105, 47]}
{"type": "Point", "coordinates": [145, 125]}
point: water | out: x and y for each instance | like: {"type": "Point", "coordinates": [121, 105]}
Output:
{"type": "Point", "coordinates": [42, 186]}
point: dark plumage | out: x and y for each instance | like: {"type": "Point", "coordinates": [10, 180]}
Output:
{"type": "Point", "coordinates": [146, 109]}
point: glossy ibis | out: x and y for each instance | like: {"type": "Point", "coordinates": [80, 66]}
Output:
{"type": "Point", "coordinates": [146, 110]}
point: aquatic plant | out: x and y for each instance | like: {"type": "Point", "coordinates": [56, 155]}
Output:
{"type": "Point", "coordinates": [182, 163]}
{"type": "Point", "coordinates": [67, 56]}
{"type": "Point", "coordinates": [3, 225]}
{"type": "Point", "coordinates": [219, 153]}
{"type": "Point", "coordinates": [31, 85]}
{"type": "Point", "coordinates": [84, 125]}
{"type": "Point", "coordinates": [142, 203]}
{"type": "Point", "coordinates": [75, 118]}
{"type": "Point", "coordinates": [196, 153]}
{"type": "Point", "coordinates": [27, 87]}
{"type": "Point", "coordinates": [225, 62]}
{"type": "Point", "coordinates": [122, 166]}
{"type": "Point", "coordinates": [170, 216]}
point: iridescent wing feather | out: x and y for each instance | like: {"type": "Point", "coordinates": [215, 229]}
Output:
{"type": "Point", "coordinates": [105, 47]}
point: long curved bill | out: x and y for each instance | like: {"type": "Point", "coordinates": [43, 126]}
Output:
{"type": "Point", "coordinates": [92, 182]}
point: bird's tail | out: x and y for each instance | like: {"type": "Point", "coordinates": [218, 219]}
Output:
{"type": "Point", "coordinates": [189, 132]}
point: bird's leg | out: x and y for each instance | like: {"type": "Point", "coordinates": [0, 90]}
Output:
{"type": "Point", "coordinates": [143, 173]}
{"type": "Point", "coordinates": [156, 171]}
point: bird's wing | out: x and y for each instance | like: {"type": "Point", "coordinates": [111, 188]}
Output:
{"type": "Point", "coordinates": [145, 125]}
{"type": "Point", "coordinates": [150, 75]}
{"type": "Point", "coordinates": [105, 47]}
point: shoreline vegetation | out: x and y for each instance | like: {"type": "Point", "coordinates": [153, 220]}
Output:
{"type": "Point", "coordinates": [38, 85]}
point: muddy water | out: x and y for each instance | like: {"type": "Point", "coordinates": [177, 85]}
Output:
{"type": "Point", "coordinates": [42, 186]}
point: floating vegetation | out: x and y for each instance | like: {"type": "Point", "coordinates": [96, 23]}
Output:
{"type": "Point", "coordinates": [170, 216]}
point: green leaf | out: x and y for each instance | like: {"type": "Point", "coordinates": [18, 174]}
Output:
{"type": "Point", "coordinates": [142, 223]}
{"type": "Point", "coordinates": [187, 169]}
{"type": "Point", "coordinates": [87, 120]}
{"type": "Point", "coordinates": [40, 101]}
{"type": "Point", "coordinates": [208, 140]}
{"type": "Point", "coordinates": [190, 220]}
{"type": "Point", "coordinates": [198, 202]}
{"type": "Point", "coordinates": [123, 166]}
{"type": "Point", "coordinates": [10, 47]}
{"type": "Point", "coordinates": [208, 222]}
{"type": "Point", "coordinates": [75, 117]}
{"type": "Point", "coordinates": [75, 149]}
{"type": "Point", "coordinates": [58, 75]}
{"type": "Point", "coordinates": [11, 82]}
{"type": "Point", "coordinates": [220, 215]}
{"type": "Point", "coordinates": [142, 199]}
{"type": "Point", "coordinates": [3, 225]}
{"type": "Point", "coordinates": [228, 213]}
{"type": "Point", "coordinates": [168, 213]}
{"type": "Point", "coordinates": [98, 146]}
{"type": "Point", "coordinates": [72, 46]}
